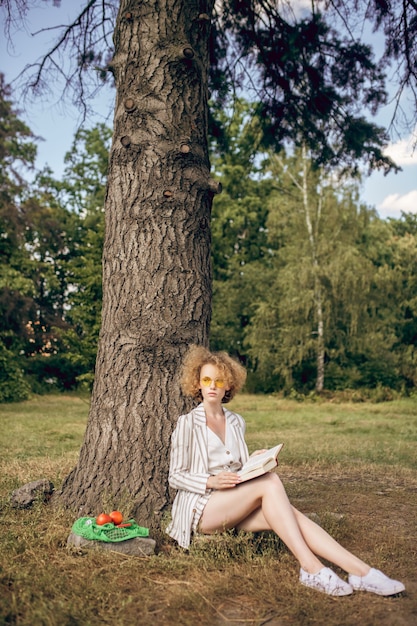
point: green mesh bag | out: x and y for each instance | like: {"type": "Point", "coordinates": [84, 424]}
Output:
{"type": "Point", "coordinates": [87, 528]}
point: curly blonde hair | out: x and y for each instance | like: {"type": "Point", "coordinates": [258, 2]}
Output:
{"type": "Point", "coordinates": [233, 372]}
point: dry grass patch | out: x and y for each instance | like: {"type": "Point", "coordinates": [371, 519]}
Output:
{"type": "Point", "coordinates": [237, 579]}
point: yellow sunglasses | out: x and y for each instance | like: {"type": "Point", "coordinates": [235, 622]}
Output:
{"type": "Point", "coordinates": [219, 382]}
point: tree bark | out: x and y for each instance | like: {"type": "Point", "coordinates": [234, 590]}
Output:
{"type": "Point", "coordinates": [156, 260]}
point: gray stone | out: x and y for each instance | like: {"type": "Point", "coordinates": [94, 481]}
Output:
{"type": "Point", "coordinates": [314, 517]}
{"type": "Point", "coordinates": [337, 517]}
{"type": "Point", "coordinates": [138, 546]}
{"type": "Point", "coordinates": [25, 496]}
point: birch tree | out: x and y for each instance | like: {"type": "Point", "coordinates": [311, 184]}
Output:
{"type": "Point", "coordinates": [319, 283]}
{"type": "Point", "coordinates": [311, 204]}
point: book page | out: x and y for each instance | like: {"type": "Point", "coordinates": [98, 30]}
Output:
{"type": "Point", "coordinates": [259, 460]}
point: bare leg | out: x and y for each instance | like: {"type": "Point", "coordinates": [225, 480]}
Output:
{"type": "Point", "coordinates": [262, 504]}
{"type": "Point", "coordinates": [317, 539]}
{"type": "Point", "coordinates": [322, 544]}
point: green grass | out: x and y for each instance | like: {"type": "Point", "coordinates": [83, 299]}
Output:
{"type": "Point", "coordinates": [358, 460]}
{"type": "Point", "coordinates": [41, 436]}
{"type": "Point", "coordinates": [383, 433]}
{"type": "Point", "coordinates": [45, 425]}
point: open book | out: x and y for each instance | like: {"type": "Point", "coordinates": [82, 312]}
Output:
{"type": "Point", "coordinates": [260, 463]}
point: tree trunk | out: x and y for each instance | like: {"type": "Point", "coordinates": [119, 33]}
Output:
{"type": "Point", "coordinates": [320, 337]}
{"type": "Point", "coordinates": [318, 300]}
{"type": "Point", "coordinates": [156, 260]}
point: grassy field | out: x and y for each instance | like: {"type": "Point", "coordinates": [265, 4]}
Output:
{"type": "Point", "coordinates": [354, 465]}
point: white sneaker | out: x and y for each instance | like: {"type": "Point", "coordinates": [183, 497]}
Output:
{"type": "Point", "coordinates": [376, 582]}
{"type": "Point", "coordinates": [327, 581]}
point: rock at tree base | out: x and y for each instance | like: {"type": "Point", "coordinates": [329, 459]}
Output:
{"type": "Point", "coordinates": [138, 546]}
{"type": "Point", "coordinates": [25, 496]}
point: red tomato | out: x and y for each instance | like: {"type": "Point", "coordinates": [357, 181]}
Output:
{"type": "Point", "coordinates": [103, 518]}
{"type": "Point", "coordinates": [116, 517]}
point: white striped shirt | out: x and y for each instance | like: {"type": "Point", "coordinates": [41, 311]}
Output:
{"type": "Point", "coordinates": [190, 468]}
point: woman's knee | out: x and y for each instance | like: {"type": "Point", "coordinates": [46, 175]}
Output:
{"type": "Point", "coordinates": [267, 484]}
{"type": "Point", "coordinates": [272, 481]}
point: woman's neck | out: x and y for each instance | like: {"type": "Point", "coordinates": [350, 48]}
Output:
{"type": "Point", "coordinates": [215, 420]}
{"type": "Point", "coordinates": [213, 411]}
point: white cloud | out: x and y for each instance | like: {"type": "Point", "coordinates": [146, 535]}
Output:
{"type": "Point", "coordinates": [393, 204]}
{"type": "Point", "coordinates": [403, 152]}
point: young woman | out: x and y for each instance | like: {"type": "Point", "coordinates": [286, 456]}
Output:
{"type": "Point", "coordinates": [208, 448]}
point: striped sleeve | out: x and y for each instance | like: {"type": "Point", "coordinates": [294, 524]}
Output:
{"type": "Point", "coordinates": [180, 475]}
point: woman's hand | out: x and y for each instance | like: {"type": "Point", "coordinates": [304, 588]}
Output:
{"type": "Point", "coordinates": [223, 480]}
{"type": "Point", "coordinates": [258, 452]}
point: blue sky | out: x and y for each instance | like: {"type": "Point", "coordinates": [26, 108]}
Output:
{"type": "Point", "coordinates": [56, 123]}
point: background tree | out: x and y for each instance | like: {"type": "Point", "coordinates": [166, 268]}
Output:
{"type": "Point", "coordinates": [387, 351]}
{"type": "Point", "coordinates": [320, 283]}
{"type": "Point", "coordinates": [51, 234]}
{"type": "Point", "coordinates": [83, 191]}
{"type": "Point", "coordinates": [312, 82]}
{"type": "Point", "coordinates": [17, 306]}
{"type": "Point", "coordinates": [309, 184]}
{"type": "Point", "coordinates": [404, 242]}
{"type": "Point", "coordinates": [238, 226]}
{"type": "Point", "coordinates": [397, 22]}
